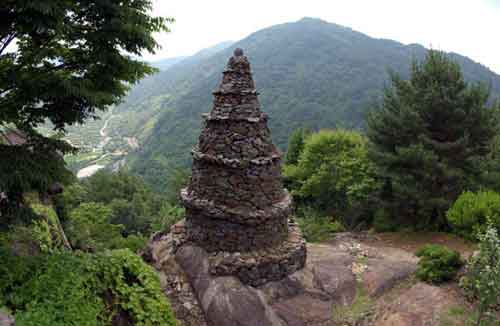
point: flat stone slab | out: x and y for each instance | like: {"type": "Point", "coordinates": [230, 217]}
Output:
{"type": "Point", "coordinates": [334, 276]}
{"type": "Point", "coordinates": [225, 300]}
{"type": "Point", "coordinates": [422, 304]}
{"type": "Point", "coordinates": [303, 310]}
{"type": "Point", "coordinates": [6, 320]}
{"type": "Point", "coordinates": [381, 275]}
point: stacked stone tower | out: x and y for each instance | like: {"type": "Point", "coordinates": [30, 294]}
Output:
{"type": "Point", "coordinates": [236, 206]}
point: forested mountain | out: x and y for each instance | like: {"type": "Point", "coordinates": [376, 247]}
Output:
{"type": "Point", "coordinates": [148, 99]}
{"type": "Point", "coordinates": [164, 64]}
{"type": "Point", "coordinates": [310, 73]}
{"type": "Point", "coordinates": [106, 141]}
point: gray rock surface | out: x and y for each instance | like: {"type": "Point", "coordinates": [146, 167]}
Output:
{"type": "Point", "coordinates": [6, 320]}
{"type": "Point", "coordinates": [331, 277]}
{"type": "Point", "coordinates": [303, 310]}
{"type": "Point", "coordinates": [225, 300]}
{"type": "Point", "coordinates": [422, 304]}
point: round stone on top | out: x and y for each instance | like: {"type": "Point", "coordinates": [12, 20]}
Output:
{"type": "Point", "coordinates": [238, 52]}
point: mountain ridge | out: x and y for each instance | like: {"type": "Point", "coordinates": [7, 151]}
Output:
{"type": "Point", "coordinates": [310, 73]}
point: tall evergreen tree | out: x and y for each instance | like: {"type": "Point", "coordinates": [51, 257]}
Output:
{"type": "Point", "coordinates": [63, 61]}
{"type": "Point", "coordinates": [296, 143]}
{"type": "Point", "coordinates": [427, 138]}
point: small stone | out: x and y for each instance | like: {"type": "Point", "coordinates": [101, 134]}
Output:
{"type": "Point", "coordinates": [238, 52]}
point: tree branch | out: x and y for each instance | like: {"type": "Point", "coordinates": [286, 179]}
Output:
{"type": "Point", "coordinates": [6, 41]}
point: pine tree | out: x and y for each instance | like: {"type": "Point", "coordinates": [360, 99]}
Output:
{"type": "Point", "coordinates": [296, 145]}
{"type": "Point", "coordinates": [427, 138]}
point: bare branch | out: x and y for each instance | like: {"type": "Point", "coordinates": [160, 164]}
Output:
{"type": "Point", "coordinates": [5, 42]}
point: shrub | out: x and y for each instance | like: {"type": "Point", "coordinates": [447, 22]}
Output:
{"type": "Point", "coordinates": [469, 213]}
{"type": "Point", "coordinates": [66, 289]}
{"type": "Point", "coordinates": [296, 145]}
{"type": "Point", "coordinates": [482, 280]}
{"type": "Point", "coordinates": [88, 227]}
{"type": "Point", "coordinates": [437, 263]}
{"type": "Point", "coordinates": [383, 221]}
{"type": "Point", "coordinates": [316, 227]}
{"type": "Point", "coordinates": [169, 215]}
{"type": "Point", "coordinates": [333, 172]}
{"type": "Point", "coordinates": [42, 234]}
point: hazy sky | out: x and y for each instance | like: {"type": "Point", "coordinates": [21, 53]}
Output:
{"type": "Point", "coordinates": [468, 27]}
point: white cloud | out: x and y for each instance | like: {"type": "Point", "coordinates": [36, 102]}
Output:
{"type": "Point", "coordinates": [468, 27]}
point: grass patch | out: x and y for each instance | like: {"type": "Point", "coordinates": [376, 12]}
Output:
{"type": "Point", "coordinates": [457, 315]}
{"type": "Point", "coordinates": [361, 307]}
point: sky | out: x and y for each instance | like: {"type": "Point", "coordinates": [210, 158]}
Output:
{"type": "Point", "coordinates": [467, 27]}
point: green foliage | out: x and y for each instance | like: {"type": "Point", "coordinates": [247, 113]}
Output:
{"type": "Point", "coordinates": [361, 307]}
{"type": "Point", "coordinates": [316, 227]}
{"type": "Point", "coordinates": [296, 144]}
{"type": "Point", "coordinates": [22, 240]}
{"type": "Point", "coordinates": [437, 263]}
{"type": "Point", "coordinates": [383, 221]}
{"type": "Point", "coordinates": [41, 234]}
{"type": "Point", "coordinates": [489, 165]}
{"type": "Point", "coordinates": [57, 292]}
{"type": "Point", "coordinates": [65, 289]}
{"type": "Point", "coordinates": [68, 64]}
{"type": "Point", "coordinates": [333, 172]}
{"type": "Point", "coordinates": [34, 166]}
{"type": "Point", "coordinates": [50, 65]}
{"type": "Point", "coordinates": [115, 210]}
{"type": "Point", "coordinates": [483, 273]}
{"type": "Point", "coordinates": [74, 195]}
{"type": "Point", "coordinates": [470, 212]}
{"type": "Point", "coordinates": [428, 137]}
{"type": "Point", "coordinates": [131, 201]}
{"type": "Point", "coordinates": [178, 179]}
{"type": "Point", "coordinates": [168, 216]}
{"type": "Point", "coordinates": [135, 288]}
{"type": "Point", "coordinates": [89, 228]}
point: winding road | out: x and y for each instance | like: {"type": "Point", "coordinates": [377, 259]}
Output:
{"type": "Point", "coordinates": [93, 168]}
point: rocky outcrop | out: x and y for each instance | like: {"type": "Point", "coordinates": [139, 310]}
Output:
{"type": "Point", "coordinates": [225, 300]}
{"type": "Point", "coordinates": [6, 320]}
{"type": "Point", "coordinates": [422, 304]}
{"type": "Point", "coordinates": [332, 277]}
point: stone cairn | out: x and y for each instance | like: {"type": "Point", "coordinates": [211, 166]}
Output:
{"type": "Point", "coordinates": [236, 206]}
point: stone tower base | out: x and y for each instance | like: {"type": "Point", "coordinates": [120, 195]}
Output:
{"type": "Point", "coordinates": [261, 266]}
{"type": "Point", "coordinates": [255, 267]}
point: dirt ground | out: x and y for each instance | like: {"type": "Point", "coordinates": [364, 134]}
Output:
{"type": "Point", "coordinates": [412, 241]}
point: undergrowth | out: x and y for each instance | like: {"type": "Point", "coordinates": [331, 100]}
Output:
{"type": "Point", "coordinates": [80, 289]}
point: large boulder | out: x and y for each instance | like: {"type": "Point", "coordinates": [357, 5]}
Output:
{"type": "Point", "coordinates": [303, 310]}
{"type": "Point", "coordinates": [225, 300]}
{"type": "Point", "coordinates": [382, 274]}
{"type": "Point", "coordinates": [6, 320]}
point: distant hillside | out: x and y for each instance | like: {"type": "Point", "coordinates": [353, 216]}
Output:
{"type": "Point", "coordinates": [164, 64]}
{"type": "Point", "coordinates": [309, 73]}
{"type": "Point", "coordinates": [146, 101]}
{"type": "Point", "coordinates": [107, 141]}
